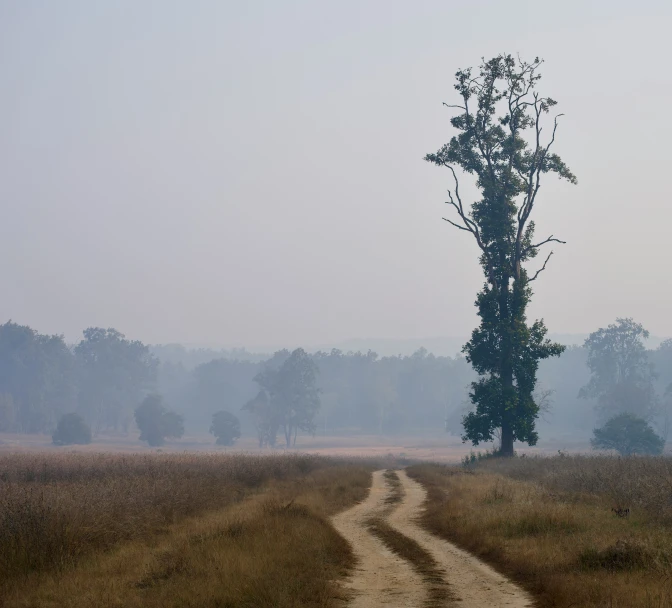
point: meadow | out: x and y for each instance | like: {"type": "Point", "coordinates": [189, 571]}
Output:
{"type": "Point", "coordinates": [174, 529]}
{"type": "Point", "coordinates": [589, 531]}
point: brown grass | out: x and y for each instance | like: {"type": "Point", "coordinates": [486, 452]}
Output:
{"type": "Point", "coordinates": [548, 524]}
{"type": "Point", "coordinates": [208, 530]}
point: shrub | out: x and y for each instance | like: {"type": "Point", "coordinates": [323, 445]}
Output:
{"type": "Point", "coordinates": [156, 423]}
{"type": "Point", "coordinates": [71, 429]}
{"type": "Point", "coordinates": [226, 427]}
{"type": "Point", "coordinates": [627, 434]}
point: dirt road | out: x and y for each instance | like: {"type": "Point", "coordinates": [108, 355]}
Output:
{"type": "Point", "coordinates": [383, 579]}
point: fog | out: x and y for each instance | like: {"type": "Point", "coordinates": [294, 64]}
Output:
{"type": "Point", "coordinates": [251, 175]}
{"type": "Point", "coordinates": [243, 178]}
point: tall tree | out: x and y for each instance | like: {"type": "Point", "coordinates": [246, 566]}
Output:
{"type": "Point", "coordinates": [622, 377]}
{"type": "Point", "coordinates": [500, 142]}
{"type": "Point", "coordinates": [115, 375]}
{"type": "Point", "coordinates": [37, 379]}
{"type": "Point", "coordinates": [289, 397]}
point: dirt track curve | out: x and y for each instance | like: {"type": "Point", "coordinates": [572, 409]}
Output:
{"type": "Point", "coordinates": [383, 579]}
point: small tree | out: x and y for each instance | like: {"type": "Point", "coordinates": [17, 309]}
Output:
{"type": "Point", "coordinates": [226, 427]}
{"type": "Point", "coordinates": [265, 421]}
{"type": "Point", "coordinates": [156, 423]}
{"type": "Point", "coordinates": [627, 434]}
{"type": "Point", "coordinates": [71, 429]}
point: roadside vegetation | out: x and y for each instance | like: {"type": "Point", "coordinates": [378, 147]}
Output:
{"type": "Point", "coordinates": [168, 530]}
{"type": "Point", "coordinates": [574, 531]}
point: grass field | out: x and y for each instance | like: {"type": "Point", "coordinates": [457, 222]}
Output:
{"type": "Point", "coordinates": [548, 523]}
{"type": "Point", "coordinates": [173, 530]}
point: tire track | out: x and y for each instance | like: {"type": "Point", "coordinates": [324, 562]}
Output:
{"type": "Point", "coordinates": [421, 570]}
{"type": "Point", "coordinates": [381, 578]}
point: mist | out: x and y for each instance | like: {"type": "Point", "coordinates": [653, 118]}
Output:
{"type": "Point", "coordinates": [222, 182]}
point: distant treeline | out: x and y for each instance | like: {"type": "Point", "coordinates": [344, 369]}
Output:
{"type": "Point", "coordinates": [106, 375]}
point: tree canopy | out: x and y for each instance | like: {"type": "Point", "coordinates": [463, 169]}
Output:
{"type": "Point", "coordinates": [115, 373]}
{"type": "Point", "coordinates": [622, 377]}
{"type": "Point", "coordinates": [71, 429]}
{"type": "Point", "coordinates": [627, 434]}
{"type": "Point", "coordinates": [156, 422]}
{"type": "Point", "coordinates": [225, 427]}
{"type": "Point", "coordinates": [289, 397]}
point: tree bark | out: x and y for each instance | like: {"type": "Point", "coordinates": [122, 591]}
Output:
{"type": "Point", "coordinates": [506, 447]}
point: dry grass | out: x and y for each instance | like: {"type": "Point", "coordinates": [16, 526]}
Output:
{"type": "Point", "coordinates": [208, 530]}
{"type": "Point", "coordinates": [549, 524]}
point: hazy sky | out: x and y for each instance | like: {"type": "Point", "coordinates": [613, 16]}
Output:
{"type": "Point", "coordinates": [251, 173]}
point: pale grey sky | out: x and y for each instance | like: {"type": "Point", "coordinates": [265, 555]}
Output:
{"type": "Point", "coordinates": [248, 173]}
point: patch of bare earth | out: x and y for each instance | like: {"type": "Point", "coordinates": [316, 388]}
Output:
{"type": "Point", "coordinates": [401, 564]}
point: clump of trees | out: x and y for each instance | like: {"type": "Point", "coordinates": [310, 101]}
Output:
{"type": "Point", "coordinates": [156, 422]}
{"type": "Point", "coordinates": [499, 122]}
{"type": "Point", "coordinates": [225, 427]}
{"type": "Point", "coordinates": [71, 429]}
{"type": "Point", "coordinates": [627, 434]}
{"type": "Point", "coordinates": [105, 376]}
{"type": "Point", "coordinates": [114, 375]}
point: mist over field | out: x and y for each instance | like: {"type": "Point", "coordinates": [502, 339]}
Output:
{"type": "Point", "coordinates": [227, 198]}
{"type": "Point", "coordinates": [326, 304]}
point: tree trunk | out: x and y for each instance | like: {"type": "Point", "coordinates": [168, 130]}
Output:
{"type": "Point", "coordinates": [506, 447]}
{"type": "Point", "coordinates": [506, 368]}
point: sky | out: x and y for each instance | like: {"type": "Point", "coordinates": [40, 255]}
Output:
{"type": "Point", "coordinates": [251, 173]}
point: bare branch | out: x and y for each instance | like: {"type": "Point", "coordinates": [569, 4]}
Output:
{"type": "Point", "coordinates": [550, 239]}
{"type": "Point", "coordinates": [536, 274]}
{"type": "Point", "coordinates": [469, 224]}
{"type": "Point", "coordinates": [456, 225]}
{"type": "Point", "coordinates": [454, 106]}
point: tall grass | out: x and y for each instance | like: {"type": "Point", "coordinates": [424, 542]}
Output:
{"type": "Point", "coordinates": [56, 509]}
{"type": "Point", "coordinates": [548, 523]}
{"type": "Point", "coordinates": [642, 483]}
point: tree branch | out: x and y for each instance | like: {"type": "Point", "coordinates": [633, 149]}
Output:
{"type": "Point", "coordinates": [550, 239]}
{"type": "Point", "coordinates": [536, 274]}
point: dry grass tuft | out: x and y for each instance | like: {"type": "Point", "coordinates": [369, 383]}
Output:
{"type": "Point", "coordinates": [549, 524]}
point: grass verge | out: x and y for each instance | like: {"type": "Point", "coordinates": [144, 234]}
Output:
{"type": "Point", "coordinates": [559, 540]}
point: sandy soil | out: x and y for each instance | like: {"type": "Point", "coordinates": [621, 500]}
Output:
{"type": "Point", "coordinates": [383, 579]}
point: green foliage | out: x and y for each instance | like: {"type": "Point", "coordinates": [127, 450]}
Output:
{"type": "Point", "coordinates": [622, 377]}
{"type": "Point", "coordinates": [71, 429]}
{"type": "Point", "coordinates": [288, 399]}
{"type": "Point", "coordinates": [499, 106]}
{"type": "Point", "coordinates": [226, 427]}
{"type": "Point", "coordinates": [156, 423]}
{"type": "Point", "coordinates": [627, 434]}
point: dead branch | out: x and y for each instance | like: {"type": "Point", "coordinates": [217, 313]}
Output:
{"type": "Point", "coordinates": [536, 274]}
